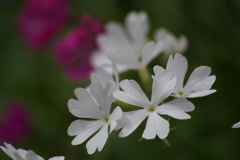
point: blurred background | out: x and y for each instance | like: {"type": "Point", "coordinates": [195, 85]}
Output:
{"type": "Point", "coordinates": [37, 78]}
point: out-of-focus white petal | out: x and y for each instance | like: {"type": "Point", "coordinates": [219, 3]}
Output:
{"type": "Point", "coordinates": [116, 75]}
{"type": "Point", "coordinates": [32, 156]}
{"type": "Point", "coordinates": [116, 114]}
{"type": "Point", "coordinates": [132, 94]}
{"type": "Point", "coordinates": [81, 110]}
{"type": "Point", "coordinates": [236, 125]}
{"type": "Point", "coordinates": [113, 40]}
{"type": "Point", "coordinates": [57, 158]}
{"type": "Point", "coordinates": [22, 152]}
{"type": "Point", "coordinates": [199, 74]}
{"type": "Point", "coordinates": [101, 76]}
{"type": "Point", "coordinates": [102, 95]}
{"type": "Point", "coordinates": [135, 118]}
{"type": "Point", "coordinates": [163, 85]}
{"type": "Point", "coordinates": [83, 129]}
{"type": "Point", "coordinates": [178, 66]}
{"type": "Point", "coordinates": [98, 141]}
{"type": "Point", "coordinates": [176, 108]}
{"type": "Point", "coordinates": [146, 53]}
{"type": "Point", "coordinates": [160, 34]}
{"type": "Point", "coordinates": [201, 93]}
{"type": "Point", "coordinates": [137, 27]}
{"type": "Point", "coordinates": [126, 58]}
{"type": "Point", "coordinates": [18, 157]}
{"type": "Point", "coordinates": [156, 125]}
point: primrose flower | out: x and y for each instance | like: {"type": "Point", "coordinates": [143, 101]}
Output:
{"type": "Point", "coordinates": [73, 52]}
{"type": "Point", "coordinates": [177, 45]}
{"type": "Point", "coordinates": [39, 21]}
{"type": "Point", "coordinates": [163, 85]}
{"type": "Point", "coordinates": [94, 104]}
{"type": "Point", "coordinates": [198, 84]}
{"type": "Point", "coordinates": [236, 125]}
{"type": "Point", "coordinates": [125, 40]}
{"type": "Point", "coordinates": [21, 154]}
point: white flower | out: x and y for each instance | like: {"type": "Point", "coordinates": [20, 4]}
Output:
{"type": "Point", "coordinates": [177, 45]}
{"type": "Point", "coordinates": [21, 154]}
{"type": "Point", "coordinates": [198, 84]}
{"type": "Point", "coordinates": [236, 125]}
{"type": "Point", "coordinates": [163, 85]}
{"type": "Point", "coordinates": [102, 76]}
{"type": "Point", "coordinates": [130, 39]}
{"type": "Point", "coordinates": [94, 104]}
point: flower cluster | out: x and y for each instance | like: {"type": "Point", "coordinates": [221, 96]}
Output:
{"type": "Point", "coordinates": [124, 48]}
{"type": "Point", "coordinates": [21, 154]}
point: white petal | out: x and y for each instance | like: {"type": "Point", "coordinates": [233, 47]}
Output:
{"type": "Point", "coordinates": [9, 150]}
{"type": "Point", "coordinates": [98, 141]}
{"type": "Point", "coordinates": [132, 94]}
{"type": "Point", "coordinates": [83, 129]}
{"type": "Point", "coordinates": [113, 40]}
{"type": "Point", "coordinates": [146, 53]}
{"type": "Point", "coordinates": [156, 125]}
{"type": "Point", "coordinates": [137, 26]}
{"type": "Point", "coordinates": [178, 66]}
{"type": "Point", "coordinates": [127, 58]}
{"type": "Point", "coordinates": [116, 75]}
{"type": "Point", "coordinates": [22, 152]}
{"type": "Point", "coordinates": [176, 108]}
{"type": "Point", "coordinates": [57, 158]}
{"type": "Point", "coordinates": [102, 95]}
{"type": "Point", "coordinates": [204, 84]}
{"type": "Point", "coordinates": [84, 110]}
{"type": "Point", "coordinates": [134, 119]}
{"type": "Point", "coordinates": [99, 59]}
{"type": "Point", "coordinates": [160, 34]}
{"type": "Point", "coordinates": [157, 69]}
{"type": "Point", "coordinates": [32, 156]}
{"type": "Point", "coordinates": [197, 75]}
{"type": "Point", "coordinates": [236, 125]}
{"type": "Point", "coordinates": [101, 76]}
{"type": "Point", "coordinates": [116, 115]}
{"type": "Point", "coordinates": [163, 85]}
{"type": "Point", "coordinates": [18, 157]}
{"type": "Point", "coordinates": [201, 93]}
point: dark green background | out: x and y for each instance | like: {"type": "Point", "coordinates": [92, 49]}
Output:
{"type": "Point", "coordinates": [213, 31]}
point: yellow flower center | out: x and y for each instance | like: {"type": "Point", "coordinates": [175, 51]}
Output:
{"type": "Point", "coordinates": [151, 109]}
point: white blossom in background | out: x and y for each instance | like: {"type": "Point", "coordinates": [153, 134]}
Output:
{"type": "Point", "coordinates": [94, 104]}
{"type": "Point", "coordinates": [199, 83]}
{"type": "Point", "coordinates": [21, 154]}
{"type": "Point", "coordinates": [163, 85]}
{"type": "Point", "coordinates": [128, 39]}
{"type": "Point", "coordinates": [102, 76]}
{"type": "Point", "coordinates": [236, 125]}
{"type": "Point", "coordinates": [177, 45]}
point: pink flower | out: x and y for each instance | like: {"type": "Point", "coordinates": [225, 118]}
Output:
{"type": "Point", "coordinates": [14, 124]}
{"type": "Point", "coordinates": [73, 52]}
{"type": "Point", "coordinates": [40, 20]}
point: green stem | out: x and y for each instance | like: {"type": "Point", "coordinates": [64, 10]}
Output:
{"type": "Point", "coordinates": [145, 78]}
{"type": "Point", "coordinates": [161, 151]}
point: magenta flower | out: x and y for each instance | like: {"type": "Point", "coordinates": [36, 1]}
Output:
{"type": "Point", "coordinates": [40, 20]}
{"type": "Point", "coordinates": [14, 122]}
{"type": "Point", "coordinates": [73, 52]}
